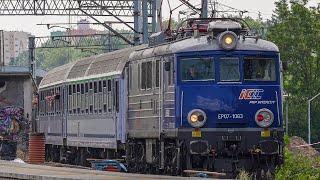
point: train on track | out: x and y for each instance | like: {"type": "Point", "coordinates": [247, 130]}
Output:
{"type": "Point", "coordinates": [206, 97]}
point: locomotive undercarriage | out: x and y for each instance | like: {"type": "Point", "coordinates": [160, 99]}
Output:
{"type": "Point", "coordinates": [215, 151]}
{"type": "Point", "coordinates": [234, 151]}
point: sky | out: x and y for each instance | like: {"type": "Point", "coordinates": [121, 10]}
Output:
{"type": "Point", "coordinates": [29, 23]}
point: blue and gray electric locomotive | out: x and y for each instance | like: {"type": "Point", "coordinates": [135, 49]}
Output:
{"type": "Point", "coordinates": [208, 97]}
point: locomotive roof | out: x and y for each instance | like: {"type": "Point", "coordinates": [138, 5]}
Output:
{"type": "Point", "coordinates": [106, 64]}
{"type": "Point", "coordinates": [203, 44]}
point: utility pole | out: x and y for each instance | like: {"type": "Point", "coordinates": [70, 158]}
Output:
{"type": "Point", "coordinates": [32, 60]}
{"type": "Point", "coordinates": [145, 33]}
{"type": "Point", "coordinates": [309, 117]}
{"type": "Point", "coordinates": [214, 11]}
{"type": "Point", "coordinates": [109, 39]}
{"type": "Point", "coordinates": [204, 8]}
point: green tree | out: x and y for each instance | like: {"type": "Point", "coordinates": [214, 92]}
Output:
{"type": "Point", "coordinates": [296, 30]}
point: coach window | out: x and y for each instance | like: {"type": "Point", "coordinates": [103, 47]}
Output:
{"type": "Point", "coordinates": [82, 98]}
{"type": "Point", "coordinates": [109, 85]}
{"type": "Point", "coordinates": [197, 69]}
{"type": "Point", "coordinates": [104, 96]}
{"type": "Point", "coordinates": [91, 97]}
{"type": "Point", "coordinates": [100, 96]}
{"type": "Point", "coordinates": [229, 69]}
{"type": "Point", "coordinates": [139, 76]}
{"type": "Point", "coordinates": [78, 98]}
{"type": "Point", "coordinates": [157, 73]}
{"type": "Point", "coordinates": [70, 90]}
{"type": "Point", "coordinates": [86, 104]}
{"type": "Point", "coordinates": [82, 88]}
{"type": "Point", "coordinates": [95, 99]}
{"type": "Point", "coordinates": [44, 103]}
{"type": "Point", "coordinates": [130, 76]}
{"type": "Point", "coordinates": [146, 75]}
{"type": "Point", "coordinates": [74, 96]}
{"type": "Point", "coordinates": [116, 101]}
{"type": "Point", "coordinates": [109, 96]}
{"type": "Point", "coordinates": [259, 69]}
{"type": "Point", "coordinates": [70, 99]}
{"type": "Point", "coordinates": [95, 87]}
{"type": "Point", "coordinates": [57, 100]}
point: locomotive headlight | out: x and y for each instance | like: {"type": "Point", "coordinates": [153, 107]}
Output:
{"type": "Point", "coordinates": [197, 118]}
{"type": "Point", "coordinates": [228, 40]}
{"type": "Point", "coordinates": [264, 117]}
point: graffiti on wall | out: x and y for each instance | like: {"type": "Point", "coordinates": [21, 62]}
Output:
{"type": "Point", "coordinates": [13, 123]}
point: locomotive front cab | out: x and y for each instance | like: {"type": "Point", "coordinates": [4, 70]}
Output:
{"type": "Point", "coordinates": [228, 102]}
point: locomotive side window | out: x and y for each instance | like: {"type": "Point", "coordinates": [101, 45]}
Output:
{"type": "Point", "coordinates": [229, 69]}
{"type": "Point", "coordinates": [193, 69]}
{"type": "Point", "coordinates": [171, 73]}
{"type": "Point", "coordinates": [146, 75]}
{"type": "Point", "coordinates": [259, 69]}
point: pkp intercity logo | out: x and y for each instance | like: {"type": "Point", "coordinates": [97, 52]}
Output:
{"type": "Point", "coordinates": [251, 94]}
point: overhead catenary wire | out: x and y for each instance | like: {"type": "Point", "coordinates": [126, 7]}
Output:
{"type": "Point", "coordinates": [218, 9]}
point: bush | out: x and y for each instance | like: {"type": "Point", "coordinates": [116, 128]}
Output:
{"type": "Point", "coordinates": [298, 166]}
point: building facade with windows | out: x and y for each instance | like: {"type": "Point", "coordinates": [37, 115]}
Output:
{"type": "Point", "coordinates": [15, 42]}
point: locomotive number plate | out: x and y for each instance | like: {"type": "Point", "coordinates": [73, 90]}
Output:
{"type": "Point", "coordinates": [265, 133]}
{"type": "Point", "coordinates": [196, 133]}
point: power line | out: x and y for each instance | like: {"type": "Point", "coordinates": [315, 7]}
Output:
{"type": "Point", "coordinates": [218, 9]}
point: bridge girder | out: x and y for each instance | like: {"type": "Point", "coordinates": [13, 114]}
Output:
{"type": "Point", "coordinates": [124, 8]}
